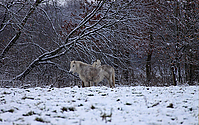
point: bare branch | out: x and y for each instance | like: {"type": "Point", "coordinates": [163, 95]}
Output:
{"type": "Point", "coordinates": [16, 37]}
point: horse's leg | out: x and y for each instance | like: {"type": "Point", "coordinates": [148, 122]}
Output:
{"type": "Point", "coordinates": [110, 82]}
{"type": "Point", "coordinates": [86, 84]}
{"type": "Point", "coordinates": [90, 84]}
{"type": "Point", "coordinates": [113, 76]}
{"type": "Point", "coordinates": [83, 85]}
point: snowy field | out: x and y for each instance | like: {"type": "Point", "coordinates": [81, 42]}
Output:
{"type": "Point", "coordinates": [100, 105]}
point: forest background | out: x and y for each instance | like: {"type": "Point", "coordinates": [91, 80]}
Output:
{"type": "Point", "coordinates": [151, 43]}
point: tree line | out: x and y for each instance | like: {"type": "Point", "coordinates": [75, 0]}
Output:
{"type": "Point", "coordinates": [152, 43]}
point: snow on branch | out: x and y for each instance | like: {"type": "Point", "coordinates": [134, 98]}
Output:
{"type": "Point", "coordinates": [18, 33]}
{"type": "Point", "coordinates": [85, 20]}
{"type": "Point", "coordinates": [103, 23]}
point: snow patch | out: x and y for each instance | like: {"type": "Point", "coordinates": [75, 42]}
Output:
{"type": "Point", "coordinates": [101, 105]}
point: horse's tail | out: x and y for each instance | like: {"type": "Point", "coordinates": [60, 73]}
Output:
{"type": "Point", "coordinates": [113, 76]}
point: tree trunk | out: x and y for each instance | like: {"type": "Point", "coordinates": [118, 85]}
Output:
{"type": "Point", "coordinates": [178, 41]}
{"type": "Point", "coordinates": [179, 73]}
{"type": "Point", "coordinates": [173, 75]}
{"type": "Point", "coordinates": [191, 74]}
{"type": "Point", "coordinates": [148, 67]}
{"type": "Point", "coordinates": [186, 72]}
{"type": "Point", "coordinates": [148, 60]}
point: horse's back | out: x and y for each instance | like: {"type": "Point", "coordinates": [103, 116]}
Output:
{"type": "Point", "coordinates": [89, 72]}
{"type": "Point", "coordinates": [107, 68]}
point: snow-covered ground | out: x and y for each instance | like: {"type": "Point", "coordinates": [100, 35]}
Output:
{"type": "Point", "coordinates": [100, 105]}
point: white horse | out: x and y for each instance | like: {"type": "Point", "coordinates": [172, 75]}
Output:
{"type": "Point", "coordinates": [89, 74]}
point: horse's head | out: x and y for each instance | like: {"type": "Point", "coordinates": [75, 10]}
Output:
{"type": "Point", "coordinates": [97, 64]}
{"type": "Point", "coordinates": [73, 67]}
